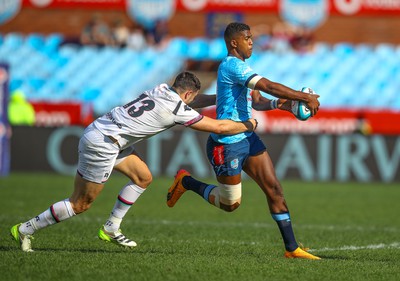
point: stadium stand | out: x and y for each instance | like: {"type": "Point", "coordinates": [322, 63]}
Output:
{"type": "Point", "coordinates": [345, 75]}
{"type": "Point", "coordinates": [45, 69]}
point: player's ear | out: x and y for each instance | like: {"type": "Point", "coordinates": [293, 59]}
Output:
{"type": "Point", "coordinates": [187, 94]}
{"type": "Point", "coordinates": [233, 43]}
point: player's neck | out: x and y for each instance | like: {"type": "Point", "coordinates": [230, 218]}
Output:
{"type": "Point", "coordinates": [235, 54]}
{"type": "Point", "coordinates": [173, 90]}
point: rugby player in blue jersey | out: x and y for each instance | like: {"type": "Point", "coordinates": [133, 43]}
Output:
{"type": "Point", "coordinates": [238, 92]}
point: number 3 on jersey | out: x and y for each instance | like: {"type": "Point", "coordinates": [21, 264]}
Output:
{"type": "Point", "coordinates": [138, 106]}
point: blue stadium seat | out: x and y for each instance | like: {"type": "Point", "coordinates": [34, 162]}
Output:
{"type": "Point", "coordinates": [385, 51]}
{"type": "Point", "coordinates": [211, 90]}
{"type": "Point", "coordinates": [198, 49]}
{"type": "Point", "coordinates": [36, 83]}
{"type": "Point", "coordinates": [362, 51]}
{"type": "Point", "coordinates": [322, 49]}
{"type": "Point", "coordinates": [178, 46]}
{"type": "Point", "coordinates": [396, 104]}
{"type": "Point", "coordinates": [35, 41]}
{"type": "Point", "coordinates": [68, 50]}
{"type": "Point", "coordinates": [343, 49]}
{"type": "Point", "coordinates": [15, 83]}
{"type": "Point", "coordinates": [13, 40]}
{"type": "Point", "coordinates": [54, 40]}
{"type": "Point", "coordinates": [89, 94]}
{"type": "Point", "coordinates": [217, 49]}
{"type": "Point", "coordinates": [266, 61]}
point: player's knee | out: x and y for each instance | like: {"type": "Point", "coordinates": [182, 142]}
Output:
{"type": "Point", "coordinates": [230, 196]}
{"type": "Point", "coordinates": [143, 180]}
{"type": "Point", "coordinates": [230, 208]}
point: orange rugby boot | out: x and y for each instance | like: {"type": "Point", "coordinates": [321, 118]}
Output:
{"type": "Point", "coordinates": [300, 253]}
{"type": "Point", "coordinates": [176, 190]}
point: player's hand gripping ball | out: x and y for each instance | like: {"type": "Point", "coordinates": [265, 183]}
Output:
{"type": "Point", "coordinates": [300, 109]}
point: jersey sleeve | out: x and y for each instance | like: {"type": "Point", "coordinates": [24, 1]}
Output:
{"type": "Point", "coordinates": [185, 115]}
{"type": "Point", "coordinates": [243, 74]}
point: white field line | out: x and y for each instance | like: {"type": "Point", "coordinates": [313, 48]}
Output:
{"type": "Point", "coordinates": [395, 245]}
{"type": "Point", "coordinates": [204, 241]}
{"type": "Point", "coordinates": [247, 224]}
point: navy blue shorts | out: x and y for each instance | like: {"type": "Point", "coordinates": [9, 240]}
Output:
{"type": "Point", "coordinates": [228, 159]}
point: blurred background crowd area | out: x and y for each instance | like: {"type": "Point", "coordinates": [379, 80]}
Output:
{"type": "Point", "coordinates": [74, 63]}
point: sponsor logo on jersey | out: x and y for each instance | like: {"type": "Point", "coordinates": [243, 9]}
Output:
{"type": "Point", "coordinates": [235, 163]}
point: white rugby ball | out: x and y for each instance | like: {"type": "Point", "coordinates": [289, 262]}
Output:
{"type": "Point", "coordinates": [299, 108]}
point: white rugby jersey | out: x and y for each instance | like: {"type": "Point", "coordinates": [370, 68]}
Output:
{"type": "Point", "coordinates": [151, 113]}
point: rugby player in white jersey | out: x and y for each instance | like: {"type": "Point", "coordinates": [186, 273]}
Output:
{"type": "Point", "coordinates": [107, 145]}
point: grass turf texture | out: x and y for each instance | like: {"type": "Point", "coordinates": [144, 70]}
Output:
{"type": "Point", "coordinates": [354, 227]}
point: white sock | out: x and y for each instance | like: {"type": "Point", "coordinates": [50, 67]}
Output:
{"type": "Point", "coordinates": [127, 196]}
{"type": "Point", "coordinates": [57, 212]}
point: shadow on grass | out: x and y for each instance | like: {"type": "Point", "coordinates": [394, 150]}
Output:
{"type": "Point", "coordinates": [360, 258]}
{"type": "Point", "coordinates": [334, 258]}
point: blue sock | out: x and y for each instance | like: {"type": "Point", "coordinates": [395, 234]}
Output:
{"type": "Point", "coordinates": [285, 227]}
{"type": "Point", "coordinates": [201, 188]}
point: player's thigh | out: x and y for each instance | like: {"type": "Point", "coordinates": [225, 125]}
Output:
{"type": "Point", "coordinates": [134, 168]}
{"type": "Point", "coordinates": [227, 160]}
{"type": "Point", "coordinates": [236, 179]}
{"type": "Point", "coordinates": [261, 169]}
{"type": "Point", "coordinates": [97, 156]}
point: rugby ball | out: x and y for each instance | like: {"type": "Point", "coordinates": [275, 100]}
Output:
{"type": "Point", "coordinates": [299, 108]}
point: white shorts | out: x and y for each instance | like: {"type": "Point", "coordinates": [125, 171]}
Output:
{"type": "Point", "coordinates": [98, 155]}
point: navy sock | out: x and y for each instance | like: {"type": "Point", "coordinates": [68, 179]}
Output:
{"type": "Point", "coordinates": [285, 227]}
{"type": "Point", "coordinates": [201, 188]}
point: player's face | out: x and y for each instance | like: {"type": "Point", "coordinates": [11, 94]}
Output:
{"type": "Point", "coordinates": [244, 44]}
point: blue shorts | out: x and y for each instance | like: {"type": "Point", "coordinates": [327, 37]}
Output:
{"type": "Point", "coordinates": [228, 159]}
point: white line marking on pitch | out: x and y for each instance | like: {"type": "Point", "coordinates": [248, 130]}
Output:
{"type": "Point", "coordinates": [269, 225]}
{"type": "Point", "coordinates": [395, 245]}
{"type": "Point", "coordinates": [246, 224]}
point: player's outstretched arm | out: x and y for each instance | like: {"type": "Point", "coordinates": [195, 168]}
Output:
{"type": "Point", "coordinates": [261, 103]}
{"type": "Point", "coordinates": [283, 92]}
{"type": "Point", "coordinates": [203, 100]}
{"type": "Point", "coordinates": [224, 127]}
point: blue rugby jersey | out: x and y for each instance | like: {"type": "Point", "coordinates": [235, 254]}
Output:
{"type": "Point", "coordinates": [233, 95]}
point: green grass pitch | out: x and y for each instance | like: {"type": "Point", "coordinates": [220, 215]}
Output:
{"type": "Point", "coordinates": [354, 227]}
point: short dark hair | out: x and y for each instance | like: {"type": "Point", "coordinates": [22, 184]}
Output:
{"type": "Point", "coordinates": [233, 28]}
{"type": "Point", "coordinates": [187, 81]}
